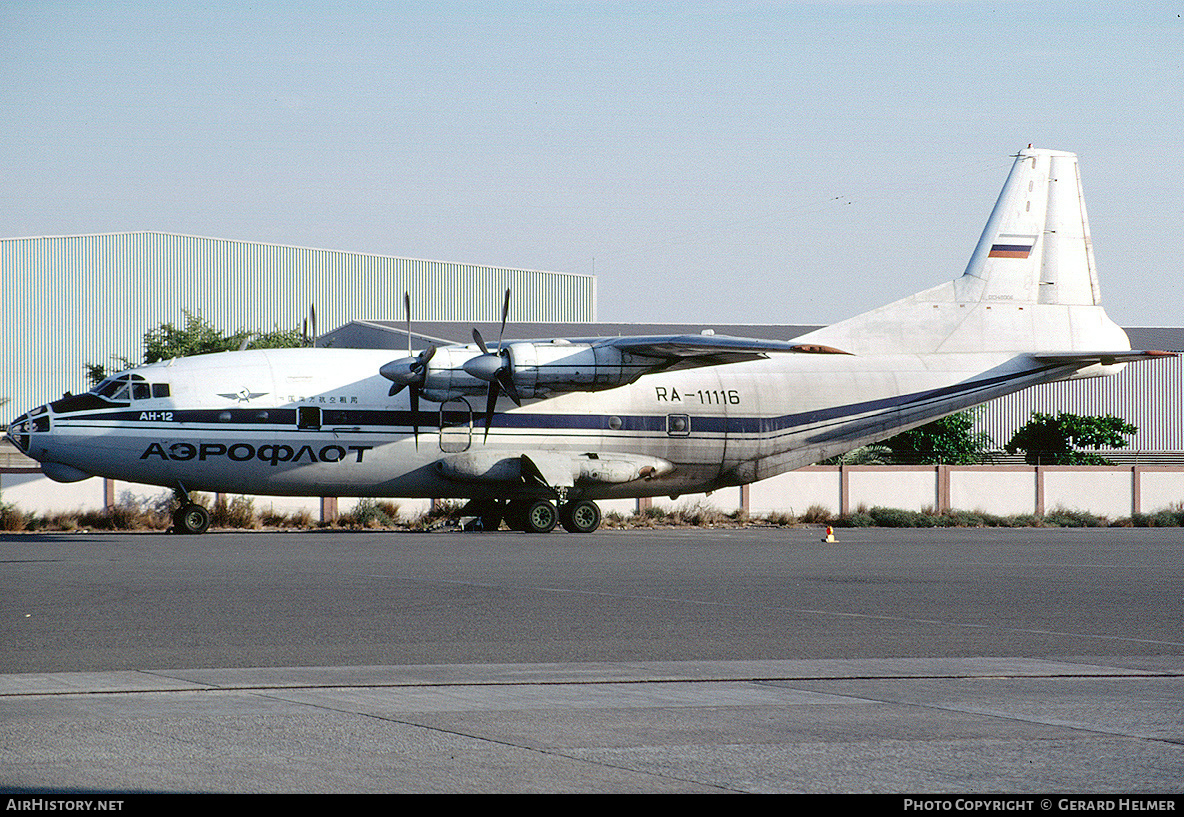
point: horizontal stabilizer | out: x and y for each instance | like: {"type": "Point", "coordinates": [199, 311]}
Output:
{"type": "Point", "coordinates": [1105, 358]}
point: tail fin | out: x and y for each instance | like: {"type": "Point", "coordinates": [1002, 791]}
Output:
{"type": "Point", "coordinates": [1036, 246]}
{"type": "Point", "coordinates": [1031, 284]}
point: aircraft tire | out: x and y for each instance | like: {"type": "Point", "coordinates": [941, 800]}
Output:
{"type": "Point", "coordinates": [541, 517]}
{"type": "Point", "coordinates": [192, 519]}
{"type": "Point", "coordinates": [580, 517]}
{"type": "Point", "coordinates": [515, 514]}
{"type": "Point", "coordinates": [491, 517]}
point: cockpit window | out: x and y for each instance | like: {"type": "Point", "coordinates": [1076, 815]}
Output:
{"type": "Point", "coordinates": [130, 387]}
{"type": "Point", "coordinates": [107, 387]}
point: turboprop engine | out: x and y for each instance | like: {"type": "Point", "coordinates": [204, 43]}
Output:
{"type": "Point", "coordinates": [527, 369]}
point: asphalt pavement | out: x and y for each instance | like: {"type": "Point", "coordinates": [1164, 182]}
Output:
{"type": "Point", "coordinates": [690, 660]}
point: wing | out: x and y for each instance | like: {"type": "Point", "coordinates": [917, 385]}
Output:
{"type": "Point", "coordinates": [526, 369]}
{"type": "Point", "coordinates": [693, 351]}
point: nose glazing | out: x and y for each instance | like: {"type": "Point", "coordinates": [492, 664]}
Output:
{"type": "Point", "coordinates": [20, 429]}
{"type": "Point", "coordinates": [18, 432]}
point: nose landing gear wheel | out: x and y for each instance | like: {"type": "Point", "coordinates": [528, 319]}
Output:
{"type": "Point", "coordinates": [191, 518]}
{"type": "Point", "coordinates": [580, 517]}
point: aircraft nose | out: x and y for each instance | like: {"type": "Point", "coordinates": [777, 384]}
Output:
{"type": "Point", "coordinates": [19, 431]}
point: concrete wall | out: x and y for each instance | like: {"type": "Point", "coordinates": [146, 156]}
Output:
{"type": "Point", "coordinates": [1113, 492]}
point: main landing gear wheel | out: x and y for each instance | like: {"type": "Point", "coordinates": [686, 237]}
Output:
{"type": "Point", "coordinates": [490, 514]}
{"type": "Point", "coordinates": [541, 517]}
{"type": "Point", "coordinates": [191, 518]}
{"type": "Point", "coordinates": [580, 517]}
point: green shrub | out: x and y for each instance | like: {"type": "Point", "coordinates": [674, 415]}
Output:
{"type": "Point", "coordinates": [372, 513]}
{"type": "Point", "coordinates": [899, 518]}
{"type": "Point", "coordinates": [859, 519]}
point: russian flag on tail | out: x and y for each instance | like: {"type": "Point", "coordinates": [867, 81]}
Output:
{"type": "Point", "coordinates": [1012, 246]}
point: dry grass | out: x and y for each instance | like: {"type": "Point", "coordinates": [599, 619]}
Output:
{"type": "Point", "coordinates": [238, 513]}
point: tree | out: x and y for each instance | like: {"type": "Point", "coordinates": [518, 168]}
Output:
{"type": "Point", "coordinates": [197, 337]}
{"type": "Point", "coordinates": [1050, 440]}
{"type": "Point", "coordinates": [951, 439]}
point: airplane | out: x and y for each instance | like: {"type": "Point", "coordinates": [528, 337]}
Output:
{"type": "Point", "coordinates": [534, 433]}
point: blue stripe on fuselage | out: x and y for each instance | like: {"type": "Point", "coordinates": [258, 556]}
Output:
{"type": "Point", "coordinates": [245, 419]}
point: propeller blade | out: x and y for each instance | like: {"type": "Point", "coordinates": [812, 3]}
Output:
{"type": "Point", "coordinates": [490, 405]}
{"type": "Point", "coordinates": [505, 379]}
{"type": "Point", "coordinates": [312, 319]}
{"type": "Point", "coordinates": [480, 341]}
{"type": "Point", "coordinates": [407, 312]}
{"type": "Point", "coordinates": [505, 312]}
{"type": "Point", "coordinates": [415, 414]}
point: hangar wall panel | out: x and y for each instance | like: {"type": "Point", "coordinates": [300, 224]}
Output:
{"type": "Point", "coordinates": [66, 301]}
{"type": "Point", "coordinates": [1148, 395]}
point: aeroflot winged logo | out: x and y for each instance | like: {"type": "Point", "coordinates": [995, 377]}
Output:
{"type": "Point", "coordinates": [244, 395]}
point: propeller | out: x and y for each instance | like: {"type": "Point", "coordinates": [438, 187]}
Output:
{"type": "Point", "coordinates": [494, 367]}
{"type": "Point", "coordinates": [409, 371]}
{"type": "Point", "coordinates": [304, 337]}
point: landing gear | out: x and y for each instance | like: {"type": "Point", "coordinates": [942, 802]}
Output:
{"type": "Point", "coordinates": [582, 516]}
{"type": "Point", "coordinates": [488, 511]}
{"type": "Point", "coordinates": [191, 518]}
{"type": "Point", "coordinates": [540, 515]}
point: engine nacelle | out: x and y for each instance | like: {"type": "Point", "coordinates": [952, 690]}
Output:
{"type": "Point", "coordinates": [542, 369]}
{"type": "Point", "coordinates": [539, 369]}
{"type": "Point", "coordinates": [446, 377]}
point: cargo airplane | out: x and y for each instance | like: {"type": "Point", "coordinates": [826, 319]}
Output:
{"type": "Point", "coordinates": [533, 433]}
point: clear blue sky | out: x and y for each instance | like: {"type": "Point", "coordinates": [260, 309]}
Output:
{"type": "Point", "coordinates": [752, 162]}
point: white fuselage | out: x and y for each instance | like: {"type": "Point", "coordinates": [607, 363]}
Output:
{"type": "Point", "coordinates": [320, 422]}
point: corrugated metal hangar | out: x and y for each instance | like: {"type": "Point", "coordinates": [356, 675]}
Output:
{"type": "Point", "coordinates": [73, 300]}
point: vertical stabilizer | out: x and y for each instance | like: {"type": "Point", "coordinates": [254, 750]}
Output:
{"type": "Point", "coordinates": [1036, 245]}
{"type": "Point", "coordinates": [1030, 284]}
